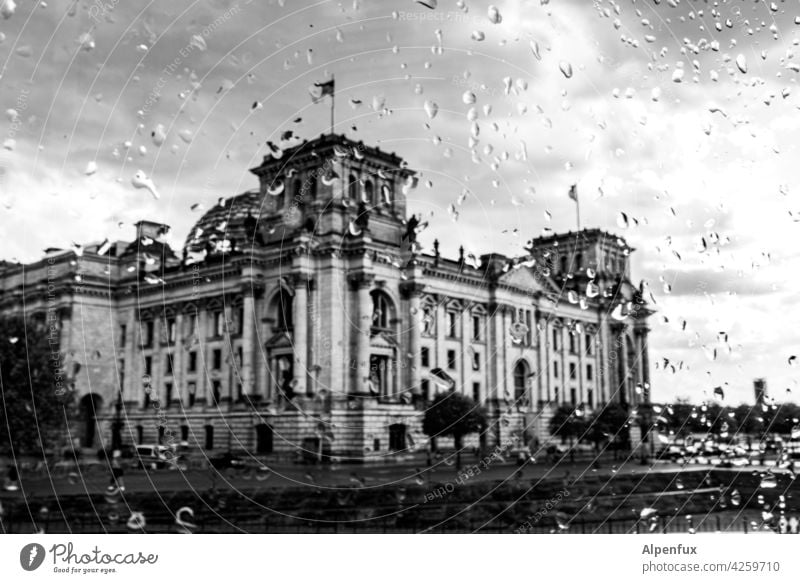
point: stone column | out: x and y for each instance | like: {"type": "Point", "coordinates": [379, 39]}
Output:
{"type": "Point", "coordinates": [508, 347]}
{"type": "Point", "coordinates": [645, 366]}
{"type": "Point", "coordinates": [157, 353]}
{"type": "Point", "coordinates": [466, 357]}
{"type": "Point", "coordinates": [178, 377]}
{"type": "Point", "coordinates": [604, 363]}
{"type": "Point", "coordinates": [541, 360]}
{"type": "Point", "coordinates": [624, 381]}
{"type": "Point", "coordinates": [362, 282]}
{"type": "Point", "coordinates": [414, 292]}
{"type": "Point", "coordinates": [300, 333]}
{"type": "Point", "coordinates": [493, 339]}
{"type": "Point", "coordinates": [131, 368]}
{"type": "Point", "coordinates": [248, 343]}
{"type": "Point", "coordinates": [581, 379]}
{"type": "Point", "coordinates": [203, 386]}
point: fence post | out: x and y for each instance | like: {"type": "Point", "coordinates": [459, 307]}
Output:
{"type": "Point", "coordinates": [744, 522]}
{"type": "Point", "coordinates": [719, 523]}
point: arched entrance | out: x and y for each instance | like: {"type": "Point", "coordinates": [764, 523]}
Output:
{"type": "Point", "coordinates": [521, 373]}
{"type": "Point", "coordinates": [263, 438]}
{"type": "Point", "coordinates": [90, 406]}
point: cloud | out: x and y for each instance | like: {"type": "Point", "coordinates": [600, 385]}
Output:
{"type": "Point", "coordinates": [684, 172]}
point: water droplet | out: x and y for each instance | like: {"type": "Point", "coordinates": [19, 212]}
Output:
{"type": "Point", "coordinates": [494, 15]}
{"type": "Point", "coordinates": [431, 108]}
{"type": "Point", "coordinates": [468, 97]}
{"type": "Point", "coordinates": [276, 188]}
{"type": "Point", "coordinates": [141, 181]}
{"type": "Point", "coordinates": [768, 481]}
{"type": "Point", "coordinates": [566, 69]}
{"type": "Point", "coordinates": [741, 63]}
{"type": "Point", "coordinates": [136, 521]}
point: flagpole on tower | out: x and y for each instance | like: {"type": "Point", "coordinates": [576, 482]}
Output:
{"type": "Point", "coordinates": [333, 94]}
{"type": "Point", "coordinates": [573, 194]}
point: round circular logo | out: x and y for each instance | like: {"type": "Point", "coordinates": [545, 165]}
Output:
{"type": "Point", "coordinates": [31, 556]}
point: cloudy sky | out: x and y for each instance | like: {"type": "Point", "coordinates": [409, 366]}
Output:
{"type": "Point", "coordinates": [683, 116]}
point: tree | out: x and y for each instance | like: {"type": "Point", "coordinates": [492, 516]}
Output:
{"type": "Point", "coordinates": [35, 402]}
{"type": "Point", "coordinates": [566, 424]}
{"type": "Point", "coordinates": [453, 414]}
{"type": "Point", "coordinates": [610, 424]}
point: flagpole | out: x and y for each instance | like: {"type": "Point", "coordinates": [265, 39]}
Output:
{"type": "Point", "coordinates": [333, 102]}
{"type": "Point", "coordinates": [578, 212]}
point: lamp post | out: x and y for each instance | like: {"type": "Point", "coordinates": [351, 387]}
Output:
{"type": "Point", "coordinates": [116, 429]}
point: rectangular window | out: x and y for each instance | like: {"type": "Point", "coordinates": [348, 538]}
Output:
{"type": "Point", "coordinates": [452, 325]}
{"type": "Point", "coordinates": [476, 392]}
{"type": "Point", "coordinates": [590, 397]}
{"type": "Point", "coordinates": [589, 372]}
{"type": "Point", "coordinates": [172, 331]}
{"type": "Point", "coordinates": [219, 323]}
{"type": "Point", "coordinates": [573, 344]}
{"type": "Point", "coordinates": [476, 327]}
{"type": "Point", "coordinates": [556, 332]}
{"type": "Point", "coordinates": [216, 388]}
{"type": "Point", "coordinates": [555, 369]}
{"type": "Point", "coordinates": [148, 365]}
{"type": "Point", "coordinates": [216, 359]}
{"type": "Point", "coordinates": [168, 364]}
{"type": "Point", "coordinates": [425, 356]}
{"type": "Point", "coordinates": [573, 371]}
{"type": "Point", "coordinates": [426, 390]}
{"type": "Point", "coordinates": [123, 334]}
{"type": "Point", "coordinates": [476, 361]}
{"type": "Point", "coordinates": [589, 344]}
{"type": "Point", "coordinates": [451, 359]}
{"type": "Point", "coordinates": [192, 388]}
{"type": "Point", "coordinates": [148, 334]}
{"type": "Point", "coordinates": [168, 393]}
{"type": "Point", "coordinates": [573, 396]}
{"type": "Point", "coordinates": [192, 324]}
{"type": "Point", "coordinates": [193, 361]}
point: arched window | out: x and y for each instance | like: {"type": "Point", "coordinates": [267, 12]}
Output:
{"type": "Point", "coordinates": [579, 261]}
{"type": "Point", "coordinates": [520, 381]}
{"type": "Point", "coordinates": [369, 192]}
{"type": "Point", "coordinates": [282, 309]}
{"type": "Point", "coordinates": [382, 311]}
{"type": "Point", "coordinates": [387, 196]}
{"type": "Point", "coordinates": [352, 188]}
{"type": "Point", "coordinates": [563, 264]}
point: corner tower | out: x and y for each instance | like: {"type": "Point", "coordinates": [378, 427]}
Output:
{"type": "Point", "coordinates": [333, 186]}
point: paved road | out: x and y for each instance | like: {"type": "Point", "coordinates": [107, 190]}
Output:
{"type": "Point", "coordinates": [281, 476]}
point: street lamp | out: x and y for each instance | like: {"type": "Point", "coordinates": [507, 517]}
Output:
{"type": "Point", "coordinates": [116, 429]}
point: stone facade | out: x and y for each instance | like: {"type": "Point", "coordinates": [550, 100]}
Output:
{"type": "Point", "coordinates": [303, 316]}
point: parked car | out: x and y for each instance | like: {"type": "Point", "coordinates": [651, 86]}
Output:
{"type": "Point", "coordinates": [152, 456]}
{"type": "Point", "coordinates": [227, 460]}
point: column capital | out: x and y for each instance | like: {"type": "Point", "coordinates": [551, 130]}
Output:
{"type": "Point", "coordinates": [360, 279]}
{"type": "Point", "coordinates": [252, 289]}
{"type": "Point", "coordinates": [411, 288]}
{"type": "Point", "coordinates": [300, 279]}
